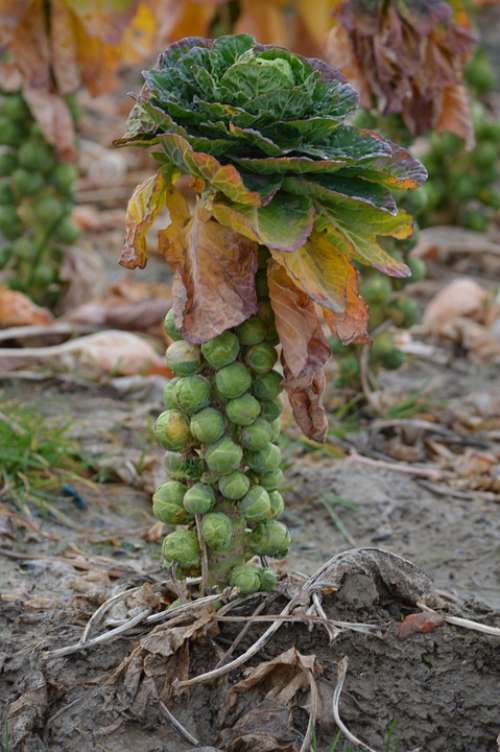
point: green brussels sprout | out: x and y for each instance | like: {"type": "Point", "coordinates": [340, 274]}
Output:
{"type": "Point", "coordinates": [64, 176]}
{"type": "Point", "coordinates": [256, 436]}
{"type": "Point", "coordinates": [261, 358]}
{"type": "Point", "coordinates": [67, 232]}
{"type": "Point", "coordinates": [348, 369]}
{"type": "Point", "coordinates": [271, 409]}
{"type": "Point", "coordinates": [232, 381]}
{"type": "Point", "coordinates": [167, 503]}
{"type": "Point", "coordinates": [24, 248]}
{"type": "Point", "coordinates": [492, 198]}
{"type": "Point", "coordinates": [268, 579]}
{"type": "Point", "coordinates": [261, 285]}
{"type": "Point", "coordinates": [382, 344]}
{"type": "Point", "coordinates": [171, 327]}
{"type": "Point", "coordinates": [192, 393]}
{"type": "Point", "coordinates": [169, 393]}
{"type": "Point", "coordinates": [9, 132]}
{"type": "Point", "coordinates": [224, 456]}
{"type": "Point", "coordinates": [476, 220]}
{"type": "Point", "coordinates": [36, 155]}
{"type": "Point", "coordinates": [484, 155]}
{"type": "Point", "coordinates": [8, 163]}
{"type": "Point", "coordinates": [171, 430]}
{"type": "Point", "coordinates": [208, 425]}
{"type": "Point", "coordinates": [418, 269]}
{"type": "Point", "coordinates": [45, 274]}
{"type": "Point", "coordinates": [244, 410]}
{"type": "Point", "coordinates": [277, 504]}
{"type": "Point", "coordinates": [180, 467]}
{"type": "Point", "coordinates": [276, 429]}
{"type": "Point", "coordinates": [222, 350]}
{"type": "Point", "coordinates": [267, 386]}
{"type": "Point", "coordinates": [183, 358]}
{"type": "Point", "coordinates": [182, 547]}
{"type": "Point", "coordinates": [264, 460]}
{"type": "Point", "coordinates": [234, 486]}
{"type": "Point", "coordinates": [376, 290]}
{"type": "Point", "coordinates": [465, 187]}
{"type": "Point", "coordinates": [217, 530]}
{"type": "Point", "coordinates": [416, 201]}
{"type": "Point", "coordinates": [270, 538]}
{"type": "Point", "coordinates": [199, 499]}
{"type": "Point", "coordinates": [15, 108]}
{"type": "Point", "coordinates": [393, 359]}
{"type": "Point", "coordinates": [252, 331]}
{"type": "Point", "coordinates": [247, 578]}
{"type": "Point", "coordinates": [10, 226]}
{"type": "Point", "coordinates": [48, 209]}
{"type": "Point", "coordinates": [256, 505]}
{"type": "Point", "coordinates": [6, 194]}
{"type": "Point", "coordinates": [405, 312]}
{"type": "Point", "coordinates": [26, 182]}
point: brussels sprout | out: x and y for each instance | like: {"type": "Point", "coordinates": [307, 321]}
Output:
{"type": "Point", "coordinates": [224, 456]}
{"type": "Point", "coordinates": [271, 538]}
{"type": "Point", "coordinates": [243, 410]}
{"type": "Point", "coordinates": [183, 358]}
{"type": "Point", "coordinates": [169, 393]}
{"type": "Point", "coordinates": [180, 467]}
{"type": "Point", "coordinates": [192, 393]}
{"type": "Point", "coordinates": [476, 220]}
{"type": "Point", "coordinates": [264, 460]}
{"type": "Point", "coordinates": [376, 290]}
{"type": "Point", "coordinates": [261, 286]}
{"type": "Point", "coordinates": [261, 358]}
{"type": "Point", "coordinates": [9, 132]}
{"type": "Point", "coordinates": [217, 530]}
{"type": "Point", "coordinates": [268, 579]}
{"type": "Point", "coordinates": [181, 546]}
{"type": "Point", "coordinates": [167, 503]}
{"type": "Point", "coordinates": [15, 108]}
{"type": "Point", "coordinates": [277, 504]}
{"type": "Point", "coordinates": [256, 505]}
{"type": "Point", "coordinates": [382, 344]}
{"type": "Point", "coordinates": [208, 425]}
{"type": "Point", "coordinates": [6, 195]}
{"type": "Point", "coordinates": [252, 331]}
{"type": "Point", "coordinates": [348, 370]}
{"type": "Point", "coordinates": [222, 350]}
{"type": "Point", "coordinates": [485, 155]}
{"type": "Point", "coordinates": [8, 163]}
{"type": "Point", "coordinates": [10, 226]}
{"type": "Point", "coordinates": [48, 209]}
{"type": "Point", "coordinates": [247, 578]}
{"type": "Point", "coordinates": [232, 381]}
{"type": "Point", "coordinates": [271, 409]}
{"type": "Point", "coordinates": [171, 327]}
{"type": "Point", "coordinates": [256, 436]}
{"type": "Point", "coordinates": [172, 430]}
{"type": "Point", "coordinates": [24, 248]}
{"type": "Point", "coordinates": [67, 232]}
{"type": "Point", "coordinates": [267, 386]}
{"type": "Point", "coordinates": [234, 486]}
{"type": "Point", "coordinates": [405, 312]}
{"type": "Point", "coordinates": [393, 359]}
{"type": "Point", "coordinates": [63, 176]}
{"type": "Point", "coordinates": [418, 269]}
{"type": "Point", "coordinates": [199, 499]}
{"type": "Point", "coordinates": [275, 430]}
{"type": "Point", "coordinates": [36, 155]}
{"type": "Point", "coordinates": [25, 182]}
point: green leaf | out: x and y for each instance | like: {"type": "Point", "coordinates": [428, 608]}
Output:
{"type": "Point", "coordinates": [285, 223]}
{"type": "Point", "coordinates": [327, 189]}
{"type": "Point", "coordinates": [400, 171]}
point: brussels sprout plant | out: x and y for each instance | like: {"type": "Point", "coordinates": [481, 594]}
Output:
{"type": "Point", "coordinates": [36, 198]}
{"type": "Point", "coordinates": [271, 201]}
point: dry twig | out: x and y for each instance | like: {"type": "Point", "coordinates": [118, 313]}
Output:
{"type": "Point", "coordinates": [341, 674]}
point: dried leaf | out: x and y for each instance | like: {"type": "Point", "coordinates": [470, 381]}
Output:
{"type": "Point", "coordinates": [462, 297]}
{"type": "Point", "coordinates": [17, 310]}
{"type": "Point", "coordinates": [455, 115]}
{"type": "Point", "coordinates": [421, 623]}
{"type": "Point", "coordinates": [166, 640]}
{"type": "Point", "coordinates": [265, 728]}
{"type": "Point", "coordinates": [214, 287]}
{"type": "Point", "coordinates": [143, 207]}
{"type": "Point", "coordinates": [28, 710]}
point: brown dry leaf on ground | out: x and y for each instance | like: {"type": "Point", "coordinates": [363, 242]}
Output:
{"type": "Point", "coordinates": [17, 309]}
{"type": "Point", "coordinates": [421, 623]}
{"type": "Point", "coordinates": [29, 710]}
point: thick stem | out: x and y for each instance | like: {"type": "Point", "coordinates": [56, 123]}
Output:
{"type": "Point", "coordinates": [222, 418]}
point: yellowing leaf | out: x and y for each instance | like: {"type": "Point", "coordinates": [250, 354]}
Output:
{"type": "Point", "coordinates": [266, 21]}
{"type": "Point", "coordinates": [317, 17]}
{"type": "Point", "coordinates": [144, 206]}
{"type": "Point", "coordinates": [189, 18]}
{"type": "Point", "coordinates": [214, 286]}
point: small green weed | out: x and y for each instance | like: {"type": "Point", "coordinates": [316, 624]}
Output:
{"type": "Point", "coordinates": [36, 455]}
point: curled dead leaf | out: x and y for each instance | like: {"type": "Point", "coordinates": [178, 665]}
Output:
{"type": "Point", "coordinates": [17, 309]}
{"type": "Point", "coordinates": [143, 207]}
